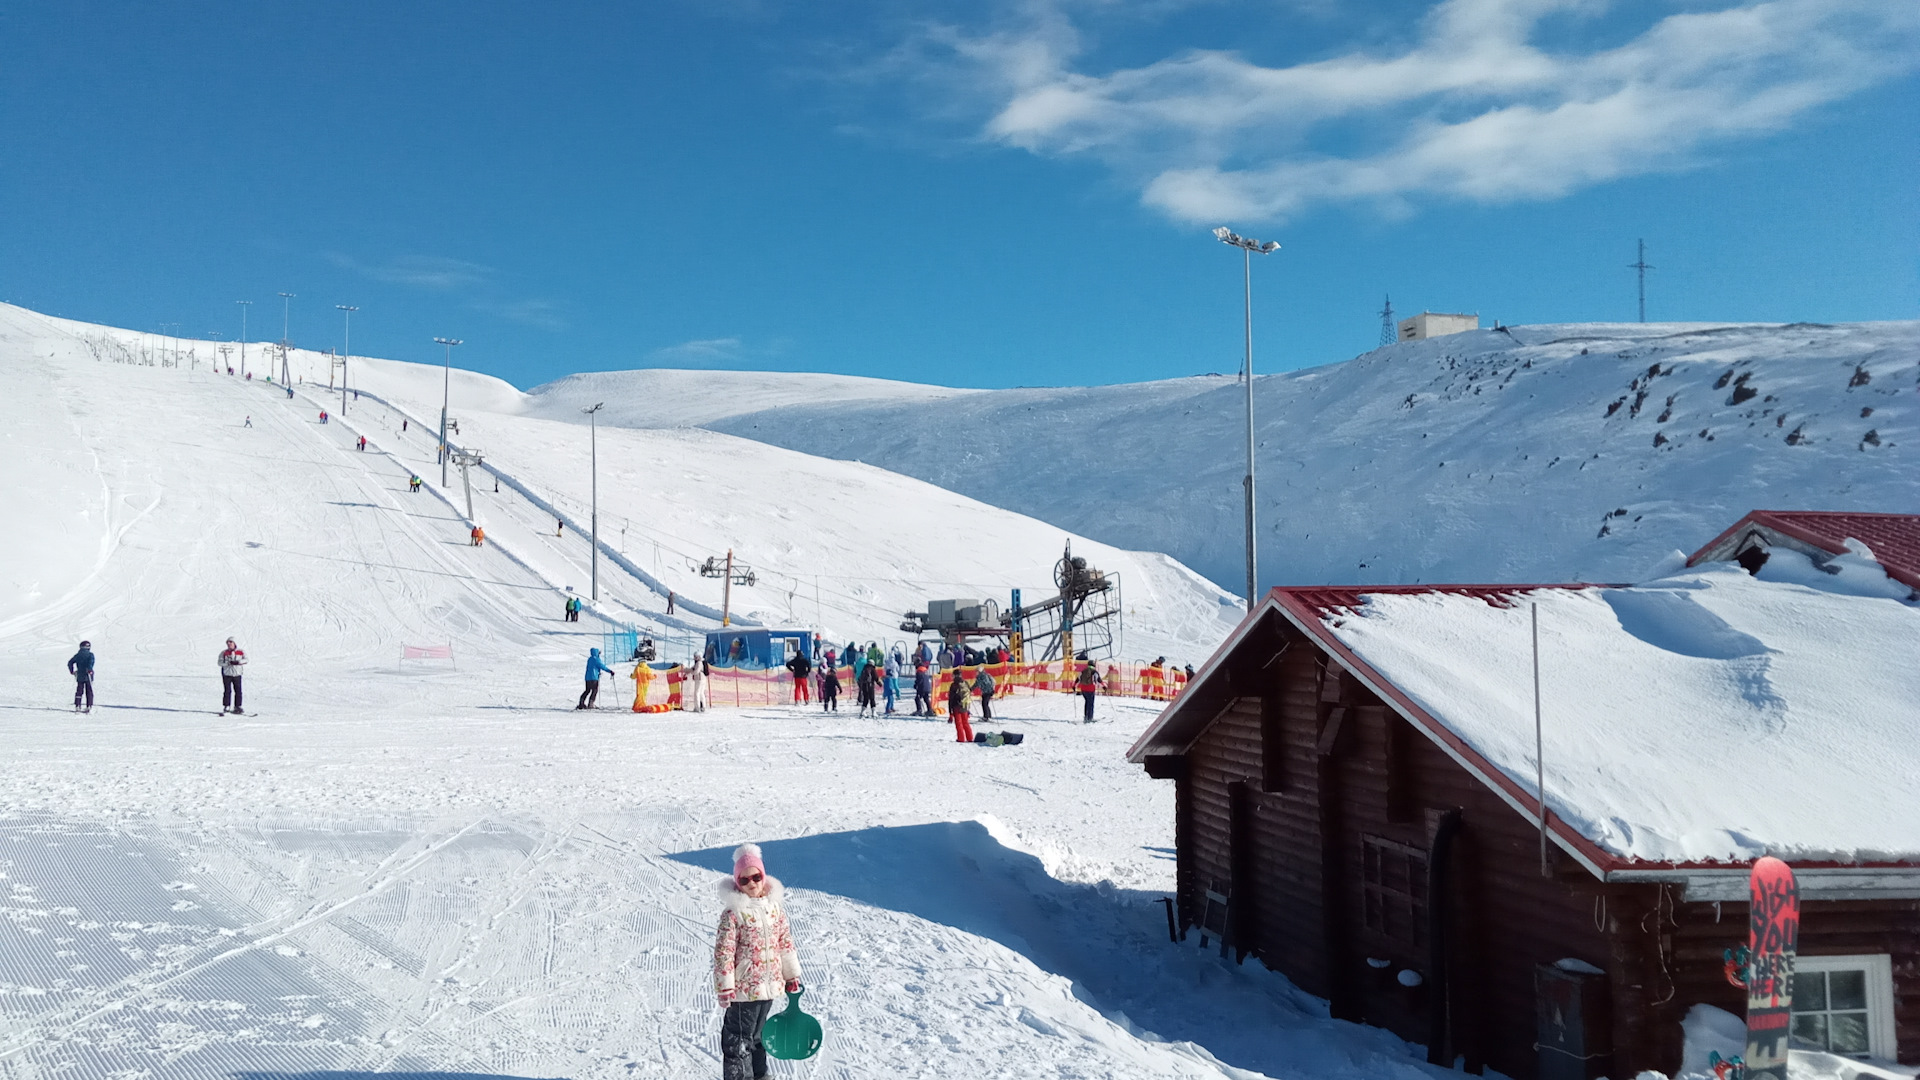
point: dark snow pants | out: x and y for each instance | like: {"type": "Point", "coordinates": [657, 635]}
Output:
{"type": "Point", "coordinates": [230, 692]}
{"type": "Point", "coordinates": [590, 695]}
{"type": "Point", "coordinates": [742, 1055]}
{"type": "Point", "coordinates": [986, 706]}
{"type": "Point", "coordinates": [83, 687]}
{"type": "Point", "coordinates": [922, 701]}
{"type": "Point", "coordinates": [1087, 696]}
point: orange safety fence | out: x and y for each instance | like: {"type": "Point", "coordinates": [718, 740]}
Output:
{"type": "Point", "coordinates": [743, 687]}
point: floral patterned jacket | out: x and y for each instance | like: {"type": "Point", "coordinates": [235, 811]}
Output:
{"type": "Point", "coordinates": [753, 953]}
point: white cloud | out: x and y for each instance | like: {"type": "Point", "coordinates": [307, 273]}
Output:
{"type": "Point", "coordinates": [435, 272]}
{"type": "Point", "coordinates": [1470, 108]}
{"type": "Point", "coordinates": [700, 351]}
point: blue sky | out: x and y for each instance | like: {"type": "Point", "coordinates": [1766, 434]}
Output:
{"type": "Point", "coordinates": [983, 194]}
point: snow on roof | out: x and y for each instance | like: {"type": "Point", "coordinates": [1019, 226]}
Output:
{"type": "Point", "coordinates": [1893, 538]}
{"type": "Point", "coordinates": [1708, 716]}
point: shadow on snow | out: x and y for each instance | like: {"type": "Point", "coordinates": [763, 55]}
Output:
{"type": "Point", "coordinates": [1111, 943]}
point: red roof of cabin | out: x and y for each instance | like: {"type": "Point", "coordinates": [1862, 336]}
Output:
{"type": "Point", "coordinates": [1894, 538]}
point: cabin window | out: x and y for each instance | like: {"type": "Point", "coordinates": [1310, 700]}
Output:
{"type": "Point", "coordinates": [1393, 880]}
{"type": "Point", "coordinates": [1844, 1005]}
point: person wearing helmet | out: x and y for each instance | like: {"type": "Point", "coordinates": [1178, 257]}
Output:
{"type": "Point", "coordinates": [81, 668]}
{"type": "Point", "coordinates": [232, 662]}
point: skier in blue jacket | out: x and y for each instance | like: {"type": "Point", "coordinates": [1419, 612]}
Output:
{"type": "Point", "coordinates": [594, 667]}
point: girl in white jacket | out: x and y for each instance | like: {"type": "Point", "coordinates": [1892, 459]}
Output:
{"type": "Point", "coordinates": [753, 962]}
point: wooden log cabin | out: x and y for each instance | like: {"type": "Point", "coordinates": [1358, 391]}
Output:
{"type": "Point", "coordinates": [1357, 807]}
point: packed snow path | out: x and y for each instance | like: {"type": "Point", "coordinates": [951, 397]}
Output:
{"type": "Point", "coordinates": [447, 868]}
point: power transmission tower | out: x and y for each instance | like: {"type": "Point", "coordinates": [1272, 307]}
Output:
{"type": "Point", "coordinates": [1389, 333]}
{"type": "Point", "coordinates": [1642, 266]}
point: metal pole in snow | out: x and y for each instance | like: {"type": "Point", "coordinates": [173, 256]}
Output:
{"type": "Point", "coordinates": [1539, 743]}
{"type": "Point", "coordinates": [1253, 572]}
{"type": "Point", "coordinates": [593, 522]}
{"type": "Point", "coordinates": [244, 305]}
{"type": "Point", "coordinates": [726, 603]}
{"type": "Point", "coordinates": [350, 309]}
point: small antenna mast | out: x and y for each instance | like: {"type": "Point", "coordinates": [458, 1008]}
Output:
{"type": "Point", "coordinates": [1389, 333]}
{"type": "Point", "coordinates": [1642, 266]}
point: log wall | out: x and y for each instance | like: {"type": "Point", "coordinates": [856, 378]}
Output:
{"type": "Point", "coordinates": [1284, 791]}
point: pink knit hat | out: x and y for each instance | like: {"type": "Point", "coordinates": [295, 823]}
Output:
{"type": "Point", "coordinates": [747, 857]}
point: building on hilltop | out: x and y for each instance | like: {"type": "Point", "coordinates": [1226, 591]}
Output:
{"type": "Point", "coordinates": [1431, 324]}
{"type": "Point", "coordinates": [1357, 804]}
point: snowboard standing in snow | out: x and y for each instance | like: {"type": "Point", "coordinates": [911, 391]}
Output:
{"type": "Point", "coordinates": [1773, 937]}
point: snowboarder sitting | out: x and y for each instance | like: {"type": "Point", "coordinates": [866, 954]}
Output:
{"type": "Point", "coordinates": [753, 961]}
{"type": "Point", "coordinates": [232, 662]}
{"type": "Point", "coordinates": [81, 668]}
{"type": "Point", "coordinates": [591, 694]}
{"type": "Point", "coordinates": [957, 707]}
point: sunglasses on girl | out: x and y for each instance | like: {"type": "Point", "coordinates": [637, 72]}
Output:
{"type": "Point", "coordinates": [751, 879]}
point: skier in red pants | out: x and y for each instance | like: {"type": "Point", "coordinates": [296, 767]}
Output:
{"type": "Point", "coordinates": [958, 701]}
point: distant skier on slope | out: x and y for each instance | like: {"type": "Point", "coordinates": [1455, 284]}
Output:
{"type": "Point", "coordinates": [754, 960]}
{"type": "Point", "coordinates": [81, 668]}
{"type": "Point", "coordinates": [591, 694]}
{"type": "Point", "coordinates": [249, 422]}
{"type": "Point", "coordinates": [232, 662]}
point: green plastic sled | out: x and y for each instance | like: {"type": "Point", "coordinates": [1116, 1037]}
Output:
{"type": "Point", "coordinates": [791, 1034]}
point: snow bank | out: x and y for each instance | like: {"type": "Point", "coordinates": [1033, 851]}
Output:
{"type": "Point", "coordinates": [1704, 716]}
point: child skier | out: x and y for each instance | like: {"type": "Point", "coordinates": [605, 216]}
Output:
{"type": "Point", "coordinates": [891, 688]}
{"type": "Point", "coordinates": [753, 962]}
{"type": "Point", "coordinates": [81, 668]}
{"type": "Point", "coordinates": [232, 661]}
{"type": "Point", "coordinates": [829, 685]}
{"type": "Point", "coordinates": [957, 702]}
{"type": "Point", "coordinates": [594, 669]}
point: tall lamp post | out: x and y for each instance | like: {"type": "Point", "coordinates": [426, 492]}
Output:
{"type": "Point", "coordinates": [446, 390]}
{"type": "Point", "coordinates": [244, 305]}
{"type": "Point", "coordinates": [286, 346]}
{"type": "Point", "coordinates": [593, 456]}
{"type": "Point", "coordinates": [349, 309]}
{"type": "Point", "coordinates": [1248, 247]}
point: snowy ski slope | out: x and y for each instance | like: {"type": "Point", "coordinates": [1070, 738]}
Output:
{"type": "Point", "coordinates": [443, 867]}
{"type": "Point", "coordinates": [1539, 453]}
{"type": "Point", "coordinates": [841, 546]}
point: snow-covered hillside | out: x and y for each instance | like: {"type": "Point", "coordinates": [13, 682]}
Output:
{"type": "Point", "coordinates": [1543, 453]}
{"type": "Point", "coordinates": [837, 545]}
{"type": "Point", "coordinates": [441, 867]}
